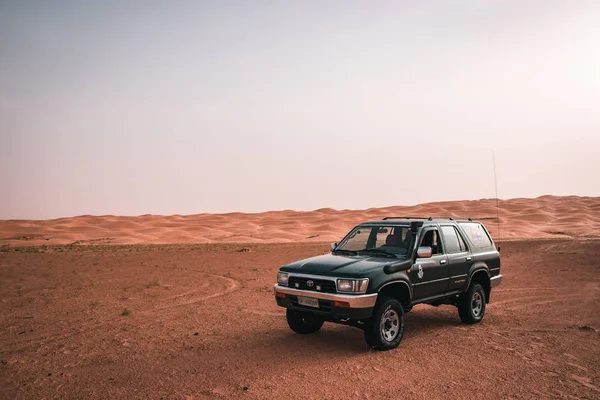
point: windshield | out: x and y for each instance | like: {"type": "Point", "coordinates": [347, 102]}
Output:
{"type": "Point", "coordinates": [395, 240]}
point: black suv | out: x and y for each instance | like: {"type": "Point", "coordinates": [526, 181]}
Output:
{"type": "Point", "coordinates": [381, 269]}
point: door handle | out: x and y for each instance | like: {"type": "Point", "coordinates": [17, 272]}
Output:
{"type": "Point", "coordinates": [442, 261]}
{"type": "Point", "coordinates": [469, 258]}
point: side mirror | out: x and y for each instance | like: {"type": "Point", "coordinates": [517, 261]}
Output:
{"type": "Point", "coordinates": [424, 252]}
{"type": "Point", "coordinates": [333, 246]}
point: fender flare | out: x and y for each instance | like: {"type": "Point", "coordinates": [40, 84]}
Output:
{"type": "Point", "coordinates": [475, 269]}
{"type": "Point", "coordinates": [408, 286]}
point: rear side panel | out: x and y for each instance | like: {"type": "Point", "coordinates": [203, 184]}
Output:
{"type": "Point", "coordinates": [484, 253]}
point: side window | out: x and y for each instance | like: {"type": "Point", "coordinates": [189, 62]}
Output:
{"type": "Point", "coordinates": [454, 243]}
{"type": "Point", "coordinates": [476, 234]}
{"type": "Point", "coordinates": [432, 239]}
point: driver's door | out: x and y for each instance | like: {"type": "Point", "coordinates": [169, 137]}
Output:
{"type": "Point", "coordinates": [430, 275]}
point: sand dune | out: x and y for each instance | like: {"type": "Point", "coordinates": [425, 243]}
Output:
{"type": "Point", "coordinates": [542, 217]}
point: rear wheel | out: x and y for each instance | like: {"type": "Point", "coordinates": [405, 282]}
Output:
{"type": "Point", "coordinates": [303, 322]}
{"type": "Point", "coordinates": [471, 304]}
{"type": "Point", "coordinates": [384, 330]}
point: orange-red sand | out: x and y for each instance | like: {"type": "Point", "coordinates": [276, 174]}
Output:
{"type": "Point", "coordinates": [200, 322]}
{"type": "Point", "coordinates": [542, 217]}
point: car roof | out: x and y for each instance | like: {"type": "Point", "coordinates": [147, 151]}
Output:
{"type": "Point", "coordinates": [404, 221]}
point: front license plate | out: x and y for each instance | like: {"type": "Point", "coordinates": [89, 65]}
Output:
{"type": "Point", "coordinates": [309, 302]}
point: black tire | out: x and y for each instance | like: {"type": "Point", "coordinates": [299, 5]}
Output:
{"type": "Point", "coordinates": [303, 322]}
{"type": "Point", "coordinates": [379, 329]}
{"type": "Point", "coordinates": [471, 304]}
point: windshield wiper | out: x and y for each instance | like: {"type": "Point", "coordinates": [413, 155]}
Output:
{"type": "Point", "coordinates": [353, 252]}
{"type": "Point", "coordinates": [378, 252]}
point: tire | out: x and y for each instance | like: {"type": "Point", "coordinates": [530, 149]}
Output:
{"type": "Point", "coordinates": [471, 304]}
{"type": "Point", "coordinates": [384, 330]}
{"type": "Point", "coordinates": [303, 322]}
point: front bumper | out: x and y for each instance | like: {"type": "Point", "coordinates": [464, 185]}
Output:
{"type": "Point", "coordinates": [360, 306]}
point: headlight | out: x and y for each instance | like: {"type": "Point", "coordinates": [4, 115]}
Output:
{"type": "Point", "coordinates": [282, 278]}
{"type": "Point", "coordinates": [352, 285]}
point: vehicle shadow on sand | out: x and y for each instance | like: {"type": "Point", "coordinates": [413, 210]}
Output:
{"type": "Point", "coordinates": [338, 339]}
{"type": "Point", "coordinates": [424, 321]}
{"type": "Point", "coordinates": [343, 346]}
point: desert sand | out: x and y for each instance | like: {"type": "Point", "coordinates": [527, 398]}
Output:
{"type": "Point", "coordinates": [200, 322]}
{"type": "Point", "coordinates": [104, 320]}
{"type": "Point", "coordinates": [542, 217]}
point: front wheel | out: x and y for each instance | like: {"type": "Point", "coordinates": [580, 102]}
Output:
{"type": "Point", "coordinates": [471, 304]}
{"type": "Point", "coordinates": [303, 322]}
{"type": "Point", "coordinates": [384, 330]}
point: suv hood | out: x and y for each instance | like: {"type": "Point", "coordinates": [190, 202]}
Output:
{"type": "Point", "coordinates": [341, 265]}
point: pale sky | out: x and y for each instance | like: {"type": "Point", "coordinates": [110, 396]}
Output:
{"type": "Point", "coordinates": [176, 107]}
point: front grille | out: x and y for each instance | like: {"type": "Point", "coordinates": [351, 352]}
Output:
{"type": "Point", "coordinates": [319, 285]}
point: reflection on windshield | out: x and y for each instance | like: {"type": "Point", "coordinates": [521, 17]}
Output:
{"type": "Point", "coordinates": [395, 240]}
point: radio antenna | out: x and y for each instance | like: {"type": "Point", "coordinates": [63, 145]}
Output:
{"type": "Point", "coordinates": [496, 189]}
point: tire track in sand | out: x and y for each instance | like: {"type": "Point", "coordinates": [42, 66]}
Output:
{"type": "Point", "coordinates": [232, 285]}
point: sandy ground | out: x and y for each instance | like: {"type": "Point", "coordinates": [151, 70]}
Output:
{"type": "Point", "coordinates": [201, 322]}
{"type": "Point", "coordinates": [543, 217]}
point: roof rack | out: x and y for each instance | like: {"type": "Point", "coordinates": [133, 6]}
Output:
{"type": "Point", "coordinates": [451, 218]}
{"type": "Point", "coordinates": [403, 217]}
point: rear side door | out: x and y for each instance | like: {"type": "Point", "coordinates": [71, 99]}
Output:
{"type": "Point", "coordinates": [459, 256]}
{"type": "Point", "coordinates": [430, 275]}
